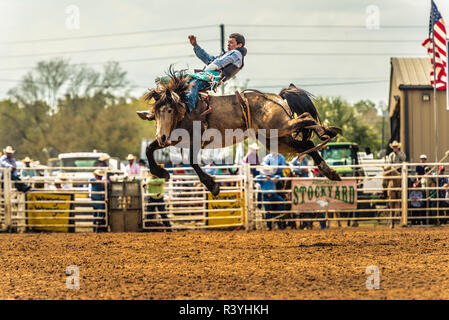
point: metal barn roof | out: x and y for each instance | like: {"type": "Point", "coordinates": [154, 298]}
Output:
{"type": "Point", "coordinates": [411, 71]}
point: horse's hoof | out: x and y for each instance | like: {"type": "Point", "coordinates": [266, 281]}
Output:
{"type": "Point", "coordinates": [333, 131]}
{"type": "Point", "coordinates": [330, 173]}
{"type": "Point", "coordinates": [215, 190]}
{"type": "Point", "coordinates": [161, 173]}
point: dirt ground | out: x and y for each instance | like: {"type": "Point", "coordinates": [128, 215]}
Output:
{"type": "Point", "coordinates": [291, 264]}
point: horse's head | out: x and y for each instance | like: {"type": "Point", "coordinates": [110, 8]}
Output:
{"type": "Point", "coordinates": [168, 106]}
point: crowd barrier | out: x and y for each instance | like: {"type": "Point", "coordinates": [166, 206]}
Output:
{"type": "Point", "coordinates": [51, 204]}
{"type": "Point", "coordinates": [248, 199]}
{"type": "Point", "coordinates": [188, 204]}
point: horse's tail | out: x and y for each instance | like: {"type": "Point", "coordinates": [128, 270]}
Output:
{"type": "Point", "coordinates": [300, 101]}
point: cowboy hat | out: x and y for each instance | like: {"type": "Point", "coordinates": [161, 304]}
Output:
{"type": "Point", "coordinates": [423, 156]}
{"type": "Point", "coordinates": [9, 149]}
{"type": "Point", "coordinates": [254, 146]}
{"type": "Point", "coordinates": [99, 172]}
{"type": "Point", "coordinates": [130, 157]}
{"type": "Point", "coordinates": [26, 160]}
{"type": "Point", "coordinates": [104, 157]}
{"type": "Point", "coordinates": [395, 144]}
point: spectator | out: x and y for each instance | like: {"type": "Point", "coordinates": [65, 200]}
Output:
{"type": "Point", "coordinates": [415, 198]}
{"type": "Point", "coordinates": [420, 170]}
{"type": "Point", "coordinates": [155, 189]}
{"type": "Point", "coordinates": [442, 182]}
{"type": "Point", "coordinates": [28, 172]}
{"type": "Point", "coordinates": [274, 159]}
{"type": "Point", "coordinates": [445, 202]}
{"type": "Point", "coordinates": [8, 161]}
{"type": "Point", "coordinates": [316, 174]}
{"type": "Point", "coordinates": [267, 182]}
{"type": "Point", "coordinates": [252, 158]}
{"type": "Point", "coordinates": [300, 161]}
{"type": "Point", "coordinates": [103, 161]}
{"type": "Point", "coordinates": [397, 156]}
{"type": "Point", "coordinates": [61, 184]}
{"type": "Point", "coordinates": [97, 189]}
{"type": "Point", "coordinates": [209, 168]}
{"type": "Point", "coordinates": [287, 196]}
{"type": "Point", "coordinates": [132, 168]}
{"type": "Point", "coordinates": [432, 201]}
{"type": "Point", "coordinates": [143, 169]}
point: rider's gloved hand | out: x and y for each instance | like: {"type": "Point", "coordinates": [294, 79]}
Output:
{"type": "Point", "coordinates": [192, 39]}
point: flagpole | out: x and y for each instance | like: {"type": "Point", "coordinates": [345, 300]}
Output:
{"type": "Point", "coordinates": [434, 92]}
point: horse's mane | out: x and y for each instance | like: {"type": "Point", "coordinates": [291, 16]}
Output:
{"type": "Point", "coordinates": [172, 90]}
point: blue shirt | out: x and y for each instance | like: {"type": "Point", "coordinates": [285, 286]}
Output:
{"type": "Point", "coordinates": [271, 160]}
{"type": "Point", "coordinates": [232, 56]}
{"type": "Point", "coordinates": [96, 187]}
{"type": "Point", "coordinates": [265, 184]}
{"type": "Point", "coordinates": [7, 163]}
{"type": "Point", "coordinates": [303, 172]}
{"type": "Point", "coordinates": [418, 195]}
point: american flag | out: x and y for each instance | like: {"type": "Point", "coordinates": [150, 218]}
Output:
{"type": "Point", "coordinates": [437, 29]}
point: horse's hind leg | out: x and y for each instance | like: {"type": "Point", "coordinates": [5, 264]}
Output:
{"type": "Point", "coordinates": [206, 179]}
{"type": "Point", "coordinates": [300, 123]}
{"type": "Point", "coordinates": [289, 145]}
{"type": "Point", "coordinates": [155, 169]}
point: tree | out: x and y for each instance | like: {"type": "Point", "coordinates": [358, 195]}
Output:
{"type": "Point", "coordinates": [360, 122]}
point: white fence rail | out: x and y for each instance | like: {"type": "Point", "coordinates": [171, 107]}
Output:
{"type": "Point", "coordinates": [53, 205]}
{"type": "Point", "coordinates": [186, 203]}
{"type": "Point", "coordinates": [252, 201]}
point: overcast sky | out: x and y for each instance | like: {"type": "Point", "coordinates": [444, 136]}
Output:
{"type": "Point", "coordinates": [319, 64]}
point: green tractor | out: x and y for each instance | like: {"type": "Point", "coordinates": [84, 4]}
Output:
{"type": "Point", "coordinates": [342, 154]}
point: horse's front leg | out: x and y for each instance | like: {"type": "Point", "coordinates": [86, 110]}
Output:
{"type": "Point", "coordinates": [155, 169]}
{"type": "Point", "coordinates": [206, 179]}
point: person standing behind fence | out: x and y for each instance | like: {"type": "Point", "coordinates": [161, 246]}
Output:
{"type": "Point", "coordinates": [155, 189]}
{"type": "Point", "coordinates": [252, 158]}
{"type": "Point", "coordinates": [8, 161]}
{"type": "Point", "coordinates": [420, 170]}
{"type": "Point", "coordinates": [97, 189]}
{"type": "Point", "coordinates": [396, 156]}
{"type": "Point", "coordinates": [415, 198]}
{"type": "Point", "coordinates": [275, 159]}
{"type": "Point", "coordinates": [132, 168]}
{"type": "Point", "coordinates": [267, 182]}
{"type": "Point", "coordinates": [442, 182]}
{"type": "Point", "coordinates": [300, 161]}
{"type": "Point", "coordinates": [28, 171]}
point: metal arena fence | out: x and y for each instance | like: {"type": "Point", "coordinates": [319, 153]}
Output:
{"type": "Point", "coordinates": [251, 197]}
{"type": "Point", "coordinates": [53, 204]}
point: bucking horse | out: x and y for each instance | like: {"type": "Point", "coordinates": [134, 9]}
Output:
{"type": "Point", "coordinates": [291, 113]}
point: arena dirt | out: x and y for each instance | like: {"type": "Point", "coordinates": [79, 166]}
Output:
{"type": "Point", "coordinates": [292, 264]}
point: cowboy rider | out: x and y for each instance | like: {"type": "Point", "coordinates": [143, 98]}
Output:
{"type": "Point", "coordinates": [223, 67]}
{"type": "Point", "coordinates": [227, 65]}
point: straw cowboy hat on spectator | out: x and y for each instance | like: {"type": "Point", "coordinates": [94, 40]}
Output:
{"type": "Point", "coordinates": [423, 156]}
{"type": "Point", "coordinates": [26, 160]}
{"type": "Point", "coordinates": [130, 157]}
{"type": "Point", "coordinates": [104, 158]}
{"type": "Point", "coordinates": [99, 172]}
{"type": "Point", "coordinates": [9, 149]}
{"type": "Point", "coordinates": [395, 144]}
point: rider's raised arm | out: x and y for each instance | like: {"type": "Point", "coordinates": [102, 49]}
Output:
{"type": "Point", "coordinates": [203, 55]}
